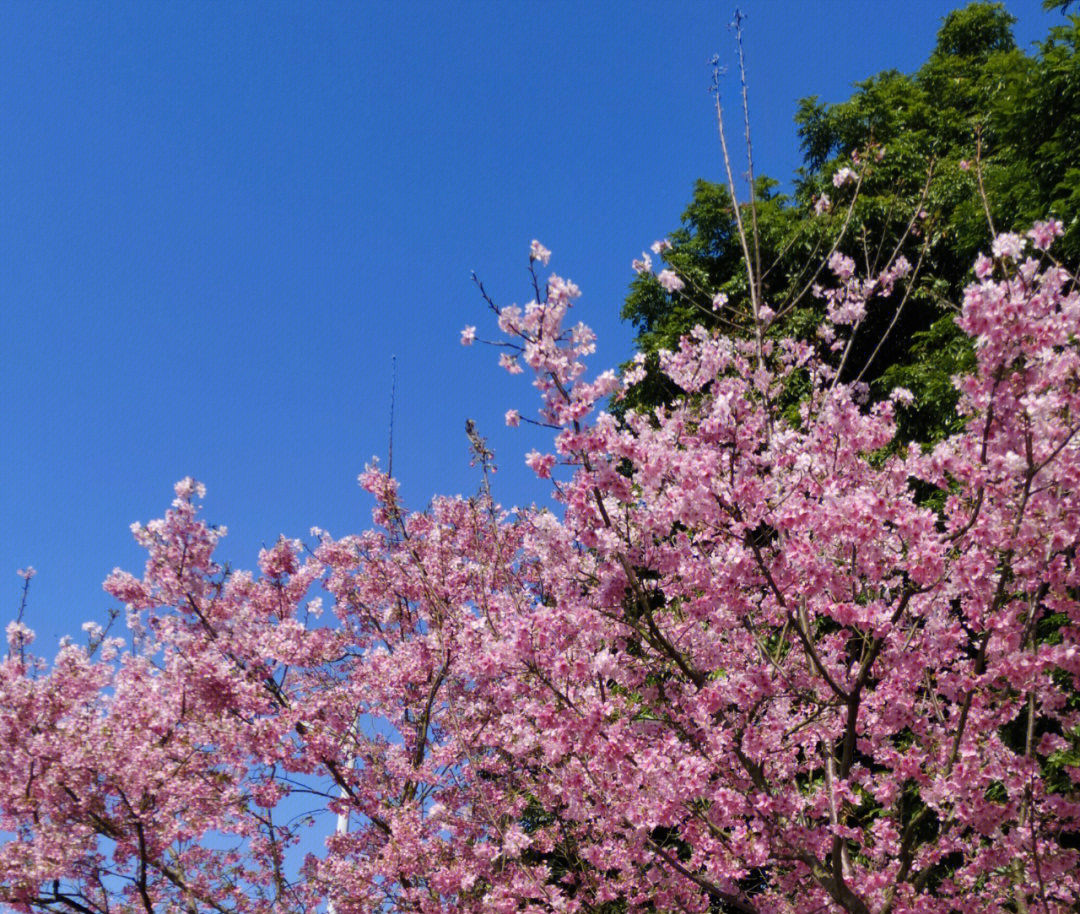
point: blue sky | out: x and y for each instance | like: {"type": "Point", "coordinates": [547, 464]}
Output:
{"type": "Point", "coordinates": [219, 222]}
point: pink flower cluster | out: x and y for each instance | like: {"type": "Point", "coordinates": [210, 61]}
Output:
{"type": "Point", "coordinates": [743, 666]}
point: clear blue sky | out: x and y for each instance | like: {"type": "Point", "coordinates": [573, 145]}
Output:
{"type": "Point", "coordinates": [218, 221]}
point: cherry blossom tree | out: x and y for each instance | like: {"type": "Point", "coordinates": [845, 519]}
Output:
{"type": "Point", "coordinates": [758, 659]}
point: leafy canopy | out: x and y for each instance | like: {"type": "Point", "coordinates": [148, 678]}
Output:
{"type": "Point", "coordinates": [978, 110]}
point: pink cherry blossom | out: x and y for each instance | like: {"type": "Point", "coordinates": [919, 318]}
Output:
{"type": "Point", "coordinates": [844, 176]}
{"type": "Point", "coordinates": [510, 363]}
{"type": "Point", "coordinates": [538, 252]}
{"type": "Point", "coordinates": [1043, 234]}
{"type": "Point", "coordinates": [842, 266]}
{"type": "Point", "coordinates": [751, 655]}
{"type": "Point", "coordinates": [540, 464]}
{"type": "Point", "coordinates": [1008, 244]}
{"type": "Point", "coordinates": [902, 395]}
{"type": "Point", "coordinates": [670, 281]}
{"type": "Point", "coordinates": [18, 636]}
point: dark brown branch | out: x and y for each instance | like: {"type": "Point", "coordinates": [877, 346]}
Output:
{"type": "Point", "coordinates": [714, 891]}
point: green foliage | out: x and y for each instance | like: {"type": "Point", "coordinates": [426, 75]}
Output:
{"type": "Point", "coordinates": [977, 106]}
{"type": "Point", "coordinates": [934, 358]}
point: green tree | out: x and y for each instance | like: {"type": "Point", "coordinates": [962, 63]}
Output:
{"type": "Point", "coordinates": [978, 110]}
